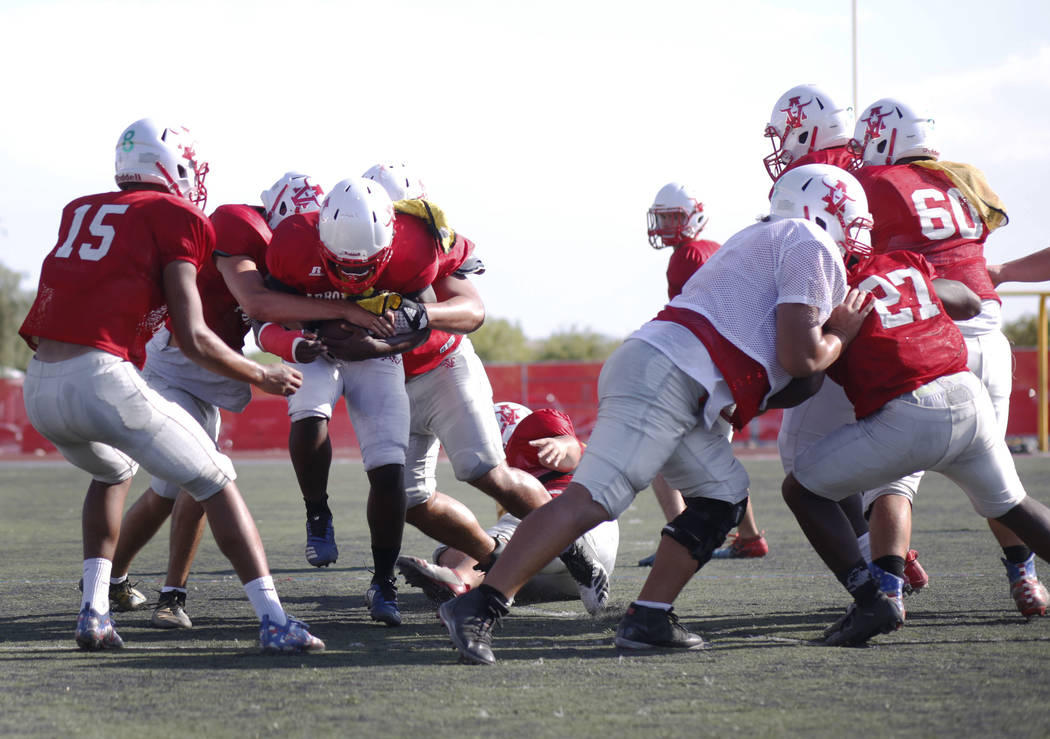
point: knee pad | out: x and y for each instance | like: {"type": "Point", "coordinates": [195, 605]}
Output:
{"type": "Point", "coordinates": [702, 527]}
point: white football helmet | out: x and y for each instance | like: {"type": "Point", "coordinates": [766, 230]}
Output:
{"type": "Point", "coordinates": [675, 217]}
{"type": "Point", "coordinates": [356, 227]}
{"type": "Point", "coordinates": [148, 152]}
{"type": "Point", "coordinates": [398, 181]}
{"type": "Point", "coordinates": [888, 131]}
{"type": "Point", "coordinates": [805, 119]}
{"type": "Point", "coordinates": [293, 193]}
{"type": "Point", "coordinates": [508, 416]}
{"type": "Point", "coordinates": [830, 197]}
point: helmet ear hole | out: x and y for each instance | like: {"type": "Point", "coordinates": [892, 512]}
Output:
{"type": "Point", "coordinates": [881, 146]}
{"type": "Point", "coordinates": [821, 222]}
{"type": "Point", "coordinates": [803, 136]}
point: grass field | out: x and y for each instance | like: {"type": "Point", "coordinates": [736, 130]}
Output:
{"type": "Point", "coordinates": [966, 664]}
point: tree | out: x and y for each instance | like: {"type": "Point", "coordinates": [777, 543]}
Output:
{"type": "Point", "coordinates": [14, 305]}
{"type": "Point", "coordinates": [1022, 331]}
{"type": "Point", "coordinates": [576, 344]}
{"type": "Point", "coordinates": [499, 340]}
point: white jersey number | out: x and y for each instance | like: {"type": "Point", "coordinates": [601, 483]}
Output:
{"type": "Point", "coordinates": [884, 306]}
{"type": "Point", "coordinates": [101, 231]}
{"type": "Point", "coordinates": [938, 222]}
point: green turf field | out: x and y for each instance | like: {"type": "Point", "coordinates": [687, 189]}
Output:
{"type": "Point", "coordinates": [966, 664]}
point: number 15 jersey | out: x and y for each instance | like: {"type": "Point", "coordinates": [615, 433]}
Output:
{"type": "Point", "coordinates": [103, 283]}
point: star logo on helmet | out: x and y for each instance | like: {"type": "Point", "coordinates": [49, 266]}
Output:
{"type": "Point", "coordinates": [306, 195]}
{"type": "Point", "coordinates": [836, 197]}
{"type": "Point", "coordinates": [795, 112]}
{"type": "Point", "coordinates": [874, 125]}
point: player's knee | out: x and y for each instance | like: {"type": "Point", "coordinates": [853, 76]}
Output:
{"type": "Point", "coordinates": [703, 526]}
{"type": "Point", "coordinates": [387, 478]}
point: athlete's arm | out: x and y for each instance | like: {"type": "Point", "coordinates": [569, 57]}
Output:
{"type": "Point", "coordinates": [1034, 267]}
{"type": "Point", "coordinates": [245, 282]}
{"type": "Point", "coordinates": [203, 346]}
{"type": "Point", "coordinates": [459, 309]}
{"type": "Point", "coordinates": [804, 346]}
{"type": "Point", "coordinates": [560, 453]}
{"type": "Point", "coordinates": [960, 302]}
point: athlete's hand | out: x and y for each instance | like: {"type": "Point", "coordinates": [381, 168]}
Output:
{"type": "Point", "coordinates": [280, 379]}
{"type": "Point", "coordinates": [381, 325]}
{"type": "Point", "coordinates": [309, 349]}
{"type": "Point", "coordinates": [846, 319]}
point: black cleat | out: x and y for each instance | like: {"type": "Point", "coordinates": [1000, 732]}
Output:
{"type": "Point", "coordinates": [470, 619]}
{"type": "Point", "coordinates": [648, 628]}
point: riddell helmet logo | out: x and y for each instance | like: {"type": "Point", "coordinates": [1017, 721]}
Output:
{"type": "Point", "coordinates": [795, 112]}
{"type": "Point", "coordinates": [873, 123]}
{"type": "Point", "coordinates": [836, 197]}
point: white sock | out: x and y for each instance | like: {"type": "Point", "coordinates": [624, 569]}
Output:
{"type": "Point", "coordinates": [96, 584]}
{"type": "Point", "coordinates": [117, 580]}
{"type": "Point", "coordinates": [653, 604]}
{"type": "Point", "coordinates": [169, 589]}
{"type": "Point", "coordinates": [263, 596]}
{"type": "Point", "coordinates": [864, 542]}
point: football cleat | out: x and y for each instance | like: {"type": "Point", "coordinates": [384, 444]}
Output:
{"type": "Point", "coordinates": [1029, 594]}
{"type": "Point", "coordinates": [915, 577]}
{"type": "Point", "coordinates": [381, 599]}
{"type": "Point", "coordinates": [96, 631]}
{"type": "Point", "coordinates": [648, 628]}
{"type": "Point", "coordinates": [470, 620]}
{"type": "Point", "coordinates": [292, 638]}
{"type": "Point", "coordinates": [590, 575]}
{"type": "Point", "coordinates": [647, 561]}
{"type": "Point", "coordinates": [123, 596]}
{"type": "Point", "coordinates": [321, 550]}
{"type": "Point", "coordinates": [437, 582]}
{"type": "Point", "coordinates": [859, 623]}
{"type": "Point", "coordinates": [170, 613]}
{"type": "Point", "coordinates": [741, 548]}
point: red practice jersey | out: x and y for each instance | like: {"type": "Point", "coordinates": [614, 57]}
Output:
{"type": "Point", "coordinates": [294, 258]}
{"type": "Point", "coordinates": [906, 342]}
{"type": "Point", "coordinates": [240, 230]}
{"type": "Point", "coordinates": [103, 283]}
{"type": "Point", "coordinates": [836, 156]}
{"type": "Point", "coordinates": [541, 424]}
{"type": "Point", "coordinates": [921, 210]}
{"type": "Point", "coordinates": [685, 260]}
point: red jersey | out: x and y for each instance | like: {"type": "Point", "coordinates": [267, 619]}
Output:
{"type": "Point", "coordinates": [240, 230]}
{"type": "Point", "coordinates": [685, 260]}
{"type": "Point", "coordinates": [541, 424]}
{"type": "Point", "coordinates": [921, 210]}
{"type": "Point", "coordinates": [102, 285]}
{"type": "Point", "coordinates": [836, 156]}
{"type": "Point", "coordinates": [906, 342]}
{"type": "Point", "coordinates": [294, 258]}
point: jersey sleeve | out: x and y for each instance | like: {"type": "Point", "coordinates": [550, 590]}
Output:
{"type": "Point", "coordinates": [182, 233]}
{"type": "Point", "coordinates": [241, 231]}
{"type": "Point", "coordinates": [811, 273]}
{"type": "Point", "coordinates": [541, 424]}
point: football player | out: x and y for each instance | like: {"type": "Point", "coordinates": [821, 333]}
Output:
{"type": "Point", "coordinates": [661, 395]}
{"type": "Point", "coordinates": [544, 444]}
{"type": "Point", "coordinates": [918, 407]}
{"type": "Point", "coordinates": [232, 283]}
{"type": "Point", "coordinates": [945, 211]}
{"type": "Point", "coordinates": [123, 259]}
{"type": "Point", "coordinates": [676, 219]}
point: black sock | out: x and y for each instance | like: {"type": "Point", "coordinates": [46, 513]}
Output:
{"type": "Point", "coordinates": [495, 598]}
{"type": "Point", "coordinates": [317, 508]}
{"type": "Point", "coordinates": [859, 582]}
{"type": "Point", "coordinates": [1017, 555]}
{"type": "Point", "coordinates": [384, 560]}
{"type": "Point", "coordinates": [892, 564]}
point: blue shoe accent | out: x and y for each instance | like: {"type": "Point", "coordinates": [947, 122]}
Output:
{"type": "Point", "coordinates": [96, 631]}
{"type": "Point", "coordinates": [321, 550]}
{"type": "Point", "coordinates": [1021, 570]}
{"type": "Point", "coordinates": [381, 599]}
{"type": "Point", "coordinates": [889, 583]}
{"type": "Point", "coordinates": [292, 638]}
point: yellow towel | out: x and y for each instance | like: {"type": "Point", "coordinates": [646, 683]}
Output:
{"type": "Point", "coordinates": [975, 189]}
{"type": "Point", "coordinates": [432, 215]}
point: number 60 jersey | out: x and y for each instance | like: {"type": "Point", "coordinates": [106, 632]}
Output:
{"type": "Point", "coordinates": [103, 283]}
{"type": "Point", "coordinates": [906, 342]}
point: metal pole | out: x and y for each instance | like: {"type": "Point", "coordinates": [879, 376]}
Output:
{"type": "Point", "coordinates": [1042, 393]}
{"type": "Point", "coordinates": [856, 110]}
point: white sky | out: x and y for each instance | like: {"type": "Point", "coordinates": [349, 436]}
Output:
{"type": "Point", "coordinates": [544, 129]}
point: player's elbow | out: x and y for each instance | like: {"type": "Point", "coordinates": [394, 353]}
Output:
{"type": "Point", "coordinates": [799, 363]}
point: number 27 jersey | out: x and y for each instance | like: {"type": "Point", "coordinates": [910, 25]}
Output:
{"type": "Point", "coordinates": [907, 341]}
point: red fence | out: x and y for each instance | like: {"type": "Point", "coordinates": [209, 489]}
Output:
{"type": "Point", "coordinates": [568, 386]}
